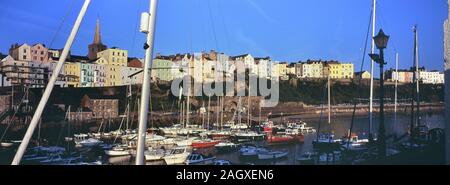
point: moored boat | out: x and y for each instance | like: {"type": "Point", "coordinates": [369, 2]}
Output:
{"type": "Point", "coordinates": [204, 143]}
{"type": "Point", "coordinates": [195, 159]}
{"type": "Point", "coordinates": [224, 147]}
{"type": "Point", "coordinates": [177, 155]}
{"type": "Point", "coordinates": [272, 155]}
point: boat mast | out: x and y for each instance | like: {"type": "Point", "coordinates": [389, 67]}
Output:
{"type": "Point", "coordinates": [396, 91]}
{"type": "Point", "coordinates": [329, 100]}
{"type": "Point", "coordinates": [207, 113]}
{"type": "Point", "coordinates": [374, 11]}
{"type": "Point", "coordinates": [248, 106]}
{"type": "Point", "coordinates": [145, 95]}
{"type": "Point", "coordinates": [48, 90]}
{"type": "Point", "coordinates": [417, 73]}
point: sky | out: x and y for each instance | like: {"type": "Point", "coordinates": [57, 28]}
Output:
{"type": "Point", "coordinates": [285, 30]}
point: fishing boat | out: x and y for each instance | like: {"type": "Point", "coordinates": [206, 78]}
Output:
{"type": "Point", "coordinates": [117, 151]}
{"type": "Point", "coordinates": [196, 159]}
{"type": "Point", "coordinates": [280, 139]}
{"type": "Point", "coordinates": [177, 155]}
{"type": "Point", "coordinates": [205, 143]}
{"type": "Point", "coordinates": [154, 154]}
{"type": "Point", "coordinates": [272, 155]}
{"type": "Point", "coordinates": [224, 147]}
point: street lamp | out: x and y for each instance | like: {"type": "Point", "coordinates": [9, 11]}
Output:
{"type": "Point", "coordinates": [381, 41]}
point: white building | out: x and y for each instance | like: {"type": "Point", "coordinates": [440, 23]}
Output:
{"type": "Point", "coordinates": [431, 77]}
{"type": "Point", "coordinates": [312, 70]}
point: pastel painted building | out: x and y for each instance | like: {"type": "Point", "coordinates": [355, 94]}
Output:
{"type": "Point", "coordinates": [72, 74]}
{"type": "Point", "coordinates": [113, 56]}
{"type": "Point", "coordinates": [86, 74]}
{"type": "Point", "coordinates": [162, 69]}
{"type": "Point", "coordinates": [347, 71]}
{"type": "Point", "coordinates": [249, 62]}
{"type": "Point", "coordinates": [263, 67]}
{"type": "Point", "coordinates": [113, 75]}
{"type": "Point", "coordinates": [39, 53]}
{"type": "Point", "coordinates": [99, 75]}
{"type": "Point", "coordinates": [362, 75]}
{"type": "Point", "coordinates": [20, 52]}
{"type": "Point", "coordinates": [60, 81]}
{"type": "Point", "coordinates": [131, 75]}
{"type": "Point", "coordinates": [312, 69]}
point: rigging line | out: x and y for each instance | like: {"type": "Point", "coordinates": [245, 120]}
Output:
{"type": "Point", "coordinates": [133, 44]}
{"type": "Point", "coordinates": [386, 25]}
{"type": "Point", "coordinates": [61, 24]}
{"type": "Point", "coordinates": [321, 111]}
{"type": "Point", "coordinates": [227, 40]}
{"type": "Point", "coordinates": [14, 115]}
{"type": "Point", "coordinates": [212, 23]}
{"type": "Point", "coordinates": [359, 80]}
{"type": "Point", "coordinates": [201, 22]}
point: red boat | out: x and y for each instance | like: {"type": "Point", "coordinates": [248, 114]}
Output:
{"type": "Point", "coordinates": [205, 144]}
{"type": "Point", "coordinates": [282, 139]}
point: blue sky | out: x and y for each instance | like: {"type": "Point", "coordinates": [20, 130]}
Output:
{"type": "Point", "coordinates": [286, 30]}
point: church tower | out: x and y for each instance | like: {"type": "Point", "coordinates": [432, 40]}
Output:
{"type": "Point", "coordinates": [97, 45]}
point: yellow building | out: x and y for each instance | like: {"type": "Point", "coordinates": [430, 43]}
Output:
{"type": "Point", "coordinates": [348, 71]}
{"type": "Point", "coordinates": [362, 75]}
{"type": "Point", "coordinates": [335, 70]}
{"type": "Point", "coordinates": [72, 74]}
{"type": "Point", "coordinates": [282, 69]}
{"type": "Point", "coordinates": [113, 75]}
{"type": "Point", "coordinates": [340, 71]}
{"type": "Point", "coordinates": [113, 56]}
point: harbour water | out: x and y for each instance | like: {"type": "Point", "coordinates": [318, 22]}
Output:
{"type": "Point", "coordinates": [339, 126]}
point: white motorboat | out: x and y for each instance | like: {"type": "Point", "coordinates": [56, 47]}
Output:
{"type": "Point", "coordinates": [154, 155]}
{"type": "Point", "coordinates": [194, 159]}
{"type": "Point", "coordinates": [272, 155]}
{"type": "Point", "coordinates": [177, 155]}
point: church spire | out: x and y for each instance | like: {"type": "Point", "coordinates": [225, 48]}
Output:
{"type": "Point", "coordinates": [97, 37]}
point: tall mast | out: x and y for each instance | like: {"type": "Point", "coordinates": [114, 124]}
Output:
{"type": "Point", "coordinates": [395, 95]}
{"type": "Point", "coordinates": [48, 90]}
{"type": "Point", "coordinates": [145, 95]}
{"type": "Point", "coordinates": [374, 11]}
{"type": "Point", "coordinates": [329, 100]}
{"type": "Point", "coordinates": [209, 105]}
{"type": "Point", "coordinates": [248, 106]}
{"type": "Point", "coordinates": [417, 73]}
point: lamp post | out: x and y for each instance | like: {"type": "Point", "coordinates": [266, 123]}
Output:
{"type": "Point", "coordinates": [381, 41]}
